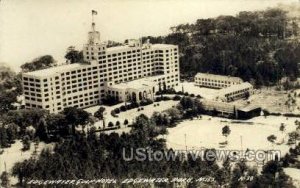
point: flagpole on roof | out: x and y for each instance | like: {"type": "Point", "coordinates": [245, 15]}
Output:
{"type": "Point", "coordinates": [93, 23]}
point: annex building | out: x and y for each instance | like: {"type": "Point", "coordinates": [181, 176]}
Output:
{"type": "Point", "coordinates": [230, 88]}
{"type": "Point", "coordinates": [131, 71]}
{"type": "Point", "coordinates": [215, 81]}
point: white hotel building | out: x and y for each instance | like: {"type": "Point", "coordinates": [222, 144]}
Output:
{"type": "Point", "coordinates": [133, 69]}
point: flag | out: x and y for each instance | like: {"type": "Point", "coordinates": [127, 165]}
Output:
{"type": "Point", "coordinates": [94, 12]}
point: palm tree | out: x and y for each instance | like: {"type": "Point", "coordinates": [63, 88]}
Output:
{"type": "Point", "coordinates": [272, 139]}
{"type": "Point", "coordinates": [282, 129]}
{"type": "Point", "coordinates": [226, 131]}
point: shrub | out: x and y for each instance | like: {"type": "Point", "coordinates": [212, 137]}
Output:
{"type": "Point", "coordinates": [165, 98]}
{"type": "Point", "coordinates": [142, 108]}
{"type": "Point", "coordinates": [123, 108]}
{"type": "Point", "coordinates": [126, 122]}
{"type": "Point", "coordinates": [198, 96]}
{"type": "Point", "coordinates": [129, 107]}
{"type": "Point", "coordinates": [138, 109]}
{"type": "Point", "coordinates": [192, 95]}
{"type": "Point", "coordinates": [186, 93]}
{"type": "Point", "coordinates": [176, 98]}
{"type": "Point", "coordinates": [146, 102]}
{"type": "Point", "coordinates": [117, 110]}
{"type": "Point", "coordinates": [134, 105]}
{"type": "Point", "coordinates": [157, 99]}
{"type": "Point", "coordinates": [113, 113]}
{"type": "Point", "coordinates": [110, 124]}
{"type": "Point", "coordinates": [170, 91]}
{"type": "Point", "coordinates": [118, 124]}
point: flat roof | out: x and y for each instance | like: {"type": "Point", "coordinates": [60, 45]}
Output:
{"type": "Point", "coordinates": [54, 70]}
{"type": "Point", "coordinates": [135, 84]}
{"type": "Point", "coordinates": [235, 87]}
{"type": "Point", "coordinates": [127, 47]}
{"type": "Point", "coordinates": [159, 46]}
{"type": "Point", "coordinates": [118, 48]}
{"type": "Point", "coordinates": [217, 76]}
{"type": "Point", "coordinates": [249, 108]}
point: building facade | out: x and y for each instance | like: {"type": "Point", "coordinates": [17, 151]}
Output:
{"type": "Point", "coordinates": [86, 84]}
{"type": "Point", "coordinates": [136, 90]}
{"type": "Point", "coordinates": [235, 92]}
{"type": "Point", "coordinates": [215, 81]}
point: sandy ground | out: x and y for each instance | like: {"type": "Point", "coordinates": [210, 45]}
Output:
{"type": "Point", "coordinates": [190, 87]}
{"type": "Point", "coordinates": [252, 134]}
{"type": "Point", "coordinates": [274, 101]}
{"type": "Point", "coordinates": [14, 154]}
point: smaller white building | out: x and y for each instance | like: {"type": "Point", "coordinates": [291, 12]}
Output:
{"type": "Point", "coordinates": [216, 81]}
{"type": "Point", "coordinates": [136, 90]}
{"type": "Point", "coordinates": [235, 92]}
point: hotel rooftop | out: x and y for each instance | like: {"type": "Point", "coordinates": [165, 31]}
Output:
{"type": "Point", "coordinates": [218, 77]}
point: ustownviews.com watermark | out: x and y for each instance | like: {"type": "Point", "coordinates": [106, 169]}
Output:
{"type": "Point", "coordinates": [142, 154]}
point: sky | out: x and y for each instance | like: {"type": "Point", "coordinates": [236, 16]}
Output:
{"type": "Point", "coordinates": [32, 28]}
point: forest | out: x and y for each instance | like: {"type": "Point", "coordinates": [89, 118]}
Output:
{"type": "Point", "coordinates": [260, 47]}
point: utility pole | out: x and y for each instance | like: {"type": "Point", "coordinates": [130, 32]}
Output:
{"type": "Point", "coordinates": [241, 137]}
{"type": "Point", "coordinates": [185, 142]}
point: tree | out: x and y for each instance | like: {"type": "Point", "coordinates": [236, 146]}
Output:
{"type": "Point", "coordinates": [164, 87]}
{"type": "Point", "coordinates": [99, 113]}
{"type": "Point", "coordinates": [272, 139]}
{"type": "Point", "coordinates": [12, 132]}
{"type": "Point", "coordinates": [75, 116]}
{"type": "Point", "coordinates": [41, 131]}
{"type": "Point", "coordinates": [5, 179]}
{"type": "Point", "coordinates": [25, 117]}
{"type": "Point", "coordinates": [294, 136]}
{"type": "Point", "coordinates": [10, 87]}
{"type": "Point", "coordinates": [57, 125]}
{"type": "Point", "coordinates": [19, 171]}
{"type": "Point", "coordinates": [74, 56]}
{"type": "Point", "coordinates": [7, 98]}
{"type": "Point", "coordinates": [26, 143]}
{"type": "Point", "coordinates": [118, 124]}
{"type": "Point", "coordinates": [226, 131]}
{"type": "Point", "coordinates": [282, 128]}
{"type": "Point", "coordinates": [126, 122]}
{"type": "Point", "coordinates": [3, 137]}
{"type": "Point", "coordinates": [110, 124]}
{"type": "Point", "coordinates": [39, 63]}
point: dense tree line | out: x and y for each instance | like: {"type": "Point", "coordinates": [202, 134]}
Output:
{"type": "Point", "coordinates": [255, 46]}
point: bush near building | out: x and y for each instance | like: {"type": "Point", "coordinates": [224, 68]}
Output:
{"type": "Point", "coordinates": [110, 124]}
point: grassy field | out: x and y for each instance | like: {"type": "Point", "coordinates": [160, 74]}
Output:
{"type": "Point", "coordinates": [251, 134]}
